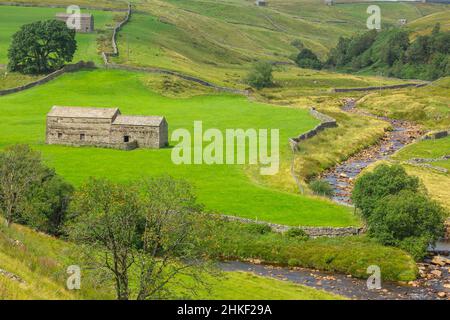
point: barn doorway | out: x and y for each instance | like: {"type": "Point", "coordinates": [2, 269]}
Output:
{"type": "Point", "coordinates": [126, 138]}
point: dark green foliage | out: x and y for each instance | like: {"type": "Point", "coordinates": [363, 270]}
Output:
{"type": "Point", "coordinates": [261, 75]}
{"type": "Point", "coordinates": [351, 255]}
{"type": "Point", "coordinates": [258, 228]}
{"type": "Point", "coordinates": [391, 53]}
{"type": "Point", "coordinates": [409, 220]}
{"type": "Point", "coordinates": [41, 47]}
{"type": "Point", "coordinates": [49, 202]}
{"type": "Point", "coordinates": [31, 193]}
{"type": "Point", "coordinates": [394, 48]}
{"type": "Point", "coordinates": [321, 188]}
{"type": "Point", "coordinates": [307, 59]}
{"type": "Point", "coordinates": [383, 181]}
{"type": "Point", "coordinates": [146, 231]}
{"type": "Point", "coordinates": [397, 211]}
{"type": "Point", "coordinates": [296, 233]}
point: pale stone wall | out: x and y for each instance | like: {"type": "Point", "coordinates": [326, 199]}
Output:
{"type": "Point", "coordinates": [103, 132]}
{"type": "Point", "coordinates": [164, 134]}
{"type": "Point", "coordinates": [313, 232]}
{"type": "Point", "coordinates": [146, 137]}
{"type": "Point", "coordinates": [69, 130]}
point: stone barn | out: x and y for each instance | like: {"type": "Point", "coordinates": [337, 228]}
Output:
{"type": "Point", "coordinates": [86, 21]}
{"type": "Point", "coordinates": [105, 127]}
{"type": "Point", "coordinates": [261, 3]}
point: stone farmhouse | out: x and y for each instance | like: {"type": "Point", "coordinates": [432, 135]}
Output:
{"type": "Point", "coordinates": [86, 21]}
{"type": "Point", "coordinates": [105, 127]}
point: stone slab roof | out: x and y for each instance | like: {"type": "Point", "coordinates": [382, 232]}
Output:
{"type": "Point", "coordinates": [83, 112]}
{"type": "Point", "coordinates": [66, 15]}
{"type": "Point", "coordinates": [153, 121]}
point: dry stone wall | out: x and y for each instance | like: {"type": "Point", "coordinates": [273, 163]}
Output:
{"type": "Point", "coordinates": [374, 88]}
{"type": "Point", "coordinates": [115, 53]}
{"type": "Point", "coordinates": [313, 232]}
{"type": "Point", "coordinates": [436, 135]}
{"type": "Point", "coordinates": [44, 5]}
{"type": "Point", "coordinates": [326, 122]}
{"type": "Point", "coordinates": [51, 76]}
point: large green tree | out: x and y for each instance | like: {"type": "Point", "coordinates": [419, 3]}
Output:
{"type": "Point", "coordinates": [146, 234]}
{"type": "Point", "coordinates": [30, 192]}
{"type": "Point", "coordinates": [41, 47]}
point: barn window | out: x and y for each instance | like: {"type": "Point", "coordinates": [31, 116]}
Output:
{"type": "Point", "coordinates": [82, 137]}
{"type": "Point", "coordinates": [126, 138]}
{"type": "Point", "coordinates": [59, 135]}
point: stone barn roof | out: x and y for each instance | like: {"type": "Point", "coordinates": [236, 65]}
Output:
{"type": "Point", "coordinates": [66, 15]}
{"type": "Point", "coordinates": [153, 121]}
{"type": "Point", "coordinates": [83, 112]}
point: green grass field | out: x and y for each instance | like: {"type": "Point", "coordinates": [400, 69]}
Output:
{"type": "Point", "coordinates": [223, 188]}
{"type": "Point", "coordinates": [427, 106]}
{"type": "Point", "coordinates": [218, 41]}
{"type": "Point", "coordinates": [41, 262]}
{"type": "Point", "coordinates": [12, 18]}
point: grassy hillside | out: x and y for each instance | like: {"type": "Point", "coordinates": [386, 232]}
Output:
{"type": "Point", "coordinates": [40, 262]}
{"type": "Point", "coordinates": [12, 18]}
{"type": "Point", "coordinates": [219, 40]}
{"type": "Point", "coordinates": [223, 188]}
{"type": "Point", "coordinates": [425, 24]}
{"type": "Point", "coordinates": [433, 179]}
{"type": "Point", "coordinates": [427, 105]}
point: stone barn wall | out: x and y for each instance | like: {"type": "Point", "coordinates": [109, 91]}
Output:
{"type": "Point", "coordinates": [145, 137]}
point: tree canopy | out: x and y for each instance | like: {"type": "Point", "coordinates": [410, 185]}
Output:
{"type": "Point", "coordinates": [41, 47]}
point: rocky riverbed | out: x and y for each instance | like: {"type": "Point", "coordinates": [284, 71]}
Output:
{"type": "Point", "coordinates": [433, 284]}
{"type": "Point", "coordinates": [342, 176]}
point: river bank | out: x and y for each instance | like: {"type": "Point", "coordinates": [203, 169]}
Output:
{"type": "Point", "coordinates": [342, 176]}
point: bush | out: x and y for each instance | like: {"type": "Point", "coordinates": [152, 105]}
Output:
{"type": "Point", "coordinates": [408, 220]}
{"type": "Point", "coordinates": [383, 181]}
{"type": "Point", "coordinates": [321, 188]}
{"type": "Point", "coordinates": [397, 211]}
{"type": "Point", "coordinates": [231, 240]}
{"type": "Point", "coordinates": [30, 192]}
{"type": "Point", "coordinates": [296, 233]}
{"type": "Point", "coordinates": [258, 228]}
{"type": "Point", "coordinates": [308, 59]}
{"type": "Point", "coordinates": [260, 75]}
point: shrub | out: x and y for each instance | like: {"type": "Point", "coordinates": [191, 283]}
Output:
{"type": "Point", "coordinates": [383, 181]}
{"type": "Point", "coordinates": [258, 228]}
{"type": "Point", "coordinates": [321, 188]}
{"type": "Point", "coordinates": [296, 233]}
{"type": "Point", "coordinates": [260, 76]}
{"type": "Point", "coordinates": [308, 59]}
{"type": "Point", "coordinates": [408, 220]}
{"type": "Point", "coordinates": [31, 193]}
{"type": "Point", "coordinates": [231, 240]}
{"type": "Point", "coordinates": [397, 211]}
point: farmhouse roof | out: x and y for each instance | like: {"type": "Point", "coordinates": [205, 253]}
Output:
{"type": "Point", "coordinates": [66, 15]}
{"type": "Point", "coordinates": [153, 121]}
{"type": "Point", "coordinates": [83, 112]}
